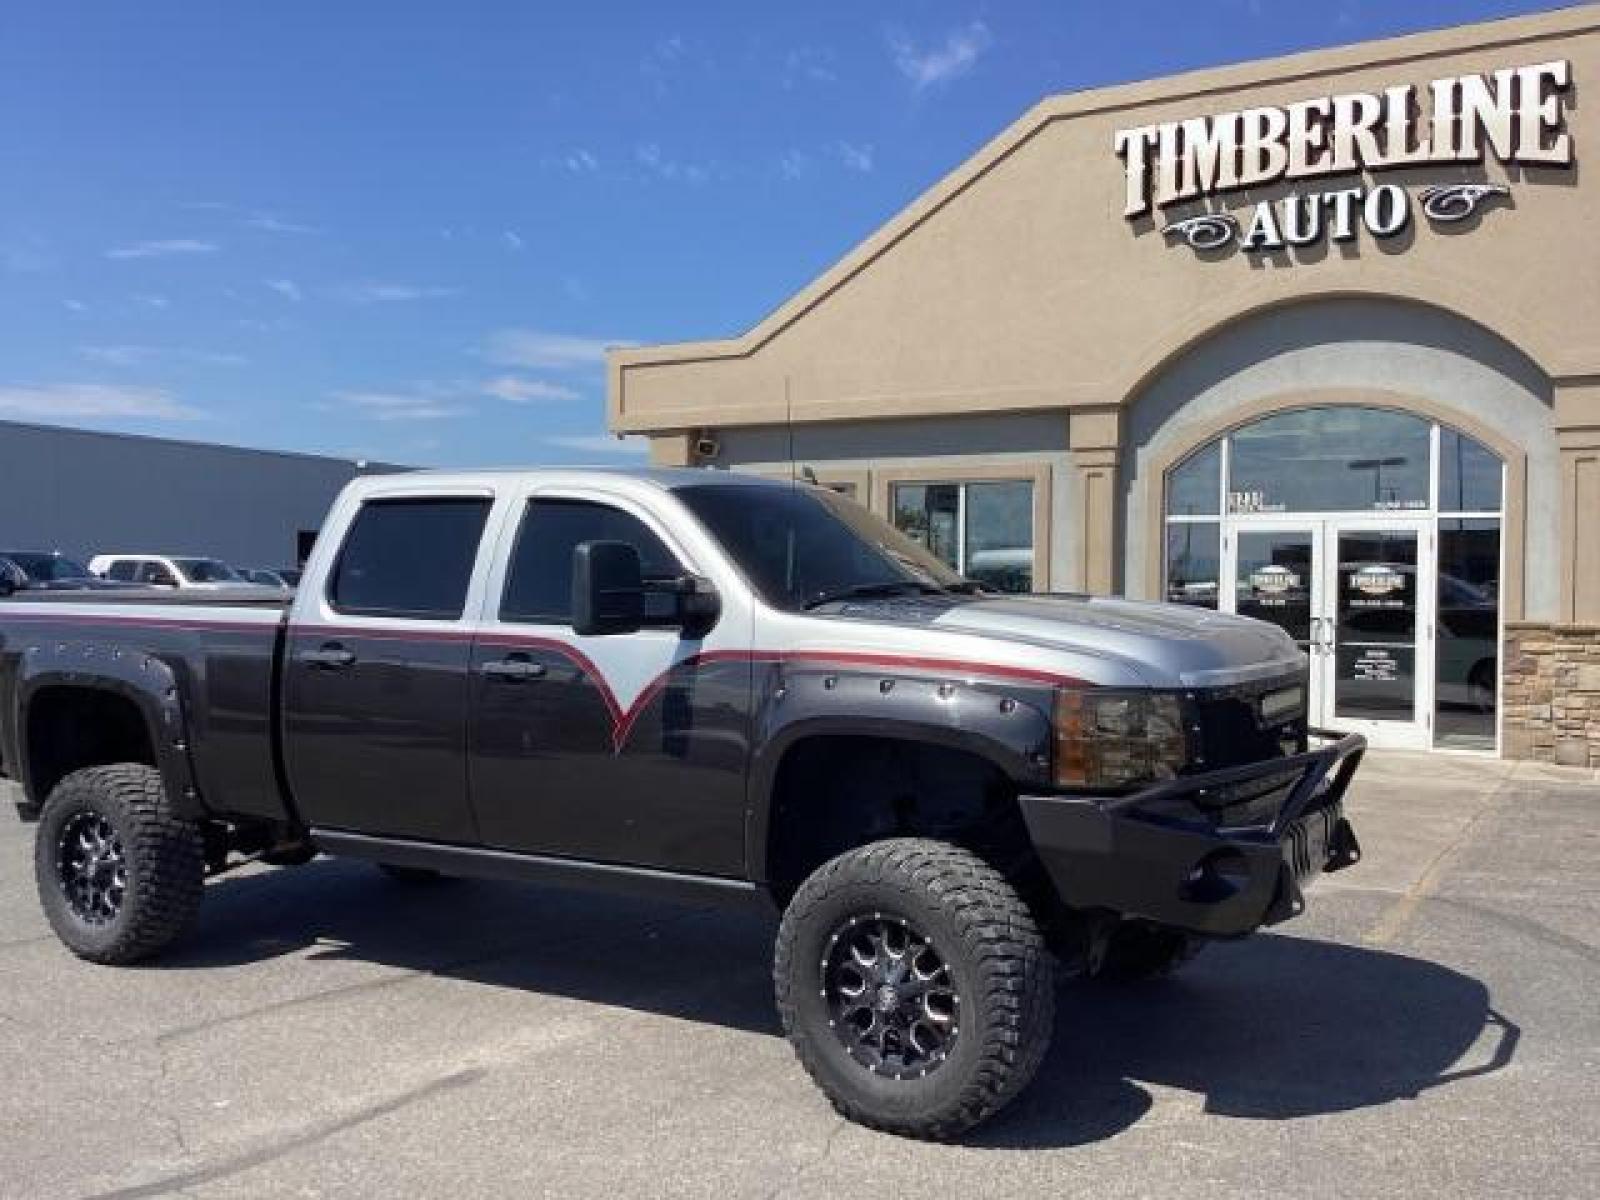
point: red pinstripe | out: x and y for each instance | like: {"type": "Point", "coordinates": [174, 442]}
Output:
{"type": "Point", "coordinates": [622, 719]}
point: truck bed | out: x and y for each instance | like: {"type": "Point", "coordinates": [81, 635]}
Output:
{"type": "Point", "coordinates": [146, 647]}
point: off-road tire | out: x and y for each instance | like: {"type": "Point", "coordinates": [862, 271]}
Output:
{"type": "Point", "coordinates": [997, 960]}
{"type": "Point", "coordinates": [1139, 952]}
{"type": "Point", "coordinates": [163, 856]}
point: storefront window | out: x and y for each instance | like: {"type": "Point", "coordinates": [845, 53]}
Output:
{"type": "Point", "coordinates": [1469, 474]}
{"type": "Point", "coordinates": [984, 530]}
{"type": "Point", "coordinates": [1469, 629]}
{"type": "Point", "coordinates": [1330, 460]}
{"type": "Point", "coordinates": [1194, 486]}
{"type": "Point", "coordinates": [1193, 562]}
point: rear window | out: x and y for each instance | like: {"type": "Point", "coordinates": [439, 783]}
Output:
{"type": "Point", "coordinates": [409, 558]}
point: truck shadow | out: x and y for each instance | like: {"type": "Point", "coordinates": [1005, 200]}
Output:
{"type": "Point", "coordinates": [1274, 1027]}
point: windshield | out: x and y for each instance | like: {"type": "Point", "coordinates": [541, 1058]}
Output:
{"type": "Point", "coordinates": [802, 546]}
{"type": "Point", "coordinates": [48, 568]}
{"type": "Point", "coordinates": [206, 570]}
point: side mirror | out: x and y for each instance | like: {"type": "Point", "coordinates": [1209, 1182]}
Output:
{"type": "Point", "coordinates": [607, 588]}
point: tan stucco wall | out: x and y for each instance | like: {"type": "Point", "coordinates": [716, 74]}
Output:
{"type": "Point", "coordinates": [1017, 284]}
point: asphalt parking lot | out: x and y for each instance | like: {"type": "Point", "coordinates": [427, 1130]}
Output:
{"type": "Point", "coordinates": [1430, 1027]}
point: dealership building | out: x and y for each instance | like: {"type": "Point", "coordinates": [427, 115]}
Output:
{"type": "Point", "coordinates": [1315, 339]}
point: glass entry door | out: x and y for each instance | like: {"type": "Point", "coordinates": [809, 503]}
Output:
{"type": "Point", "coordinates": [1275, 569]}
{"type": "Point", "coordinates": [1354, 595]}
{"type": "Point", "coordinates": [1379, 586]}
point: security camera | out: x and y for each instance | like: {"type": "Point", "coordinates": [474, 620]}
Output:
{"type": "Point", "coordinates": [706, 447]}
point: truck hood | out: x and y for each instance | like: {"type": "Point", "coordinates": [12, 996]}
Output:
{"type": "Point", "coordinates": [1159, 645]}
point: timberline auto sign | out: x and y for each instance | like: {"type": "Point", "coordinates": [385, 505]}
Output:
{"type": "Point", "coordinates": [1517, 114]}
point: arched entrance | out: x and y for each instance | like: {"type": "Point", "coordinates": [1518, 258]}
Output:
{"type": "Point", "coordinates": [1373, 536]}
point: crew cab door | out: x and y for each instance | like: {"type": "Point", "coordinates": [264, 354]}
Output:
{"type": "Point", "coordinates": [375, 671]}
{"type": "Point", "coordinates": [629, 748]}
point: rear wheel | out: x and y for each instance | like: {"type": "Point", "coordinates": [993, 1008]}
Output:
{"type": "Point", "coordinates": [119, 874]}
{"type": "Point", "coordinates": [914, 986]}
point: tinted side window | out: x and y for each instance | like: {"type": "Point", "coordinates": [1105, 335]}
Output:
{"type": "Point", "coordinates": [409, 558]}
{"type": "Point", "coordinates": [121, 569]}
{"type": "Point", "coordinates": [539, 583]}
{"type": "Point", "coordinates": [154, 572]}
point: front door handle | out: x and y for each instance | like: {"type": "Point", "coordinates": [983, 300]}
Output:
{"type": "Point", "coordinates": [513, 670]}
{"type": "Point", "coordinates": [332, 657]}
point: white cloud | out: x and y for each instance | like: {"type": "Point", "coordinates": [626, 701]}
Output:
{"type": "Point", "coordinates": [163, 247]}
{"type": "Point", "coordinates": [77, 306]}
{"type": "Point", "coordinates": [287, 288]}
{"type": "Point", "coordinates": [793, 163]}
{"type": "Point", "coordinates": [600, 443]}
{"type": "Point", "coordinates": [512, 239]}
{"type": "Point", "coordinates": [668, 56]}
{"type": "Point", "coordinates": [581, 162]}
{"type": "Point", "coordinates": [928, 66]}
{"type": "Point", "coordinates": [268, 223]}
{"type": "Point", "coordinates": [150, 299]}
{"type": "Point", "coordinates": [528, 391]}
{"type": "Point", "coordinates": [808, 63]}
{"type": "Point", "coordinates": [649, 156]}
{"type": "Point", "coordinates": [541, 349]}
{"type": "Point", "coordinates": [88, 401]}
{"type": "Point", "coordinates": [856, 158]}
{"type": "Point", "coordinates": [379, 293]}
{"type": "Point", "coordinates": [132, 356]}
{"type": "Point", "coordinates": [421, 405]}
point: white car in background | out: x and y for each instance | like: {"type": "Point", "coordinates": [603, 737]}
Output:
{"type": "Point", "coordinates": [164, 570]}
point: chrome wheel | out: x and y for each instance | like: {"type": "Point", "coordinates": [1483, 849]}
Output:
{"type": "Point", "coordinates": [92, 867]}
{"type": "Point", "coordinates": [891, 999]}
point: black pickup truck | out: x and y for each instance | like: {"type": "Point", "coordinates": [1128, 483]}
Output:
{"type": "Point", "coordinates": [709, 686]}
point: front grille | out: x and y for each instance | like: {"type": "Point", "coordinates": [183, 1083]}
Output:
{"type": "Point", "coordinates": [1228, 729]}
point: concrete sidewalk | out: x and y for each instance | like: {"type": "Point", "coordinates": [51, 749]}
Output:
{"type": "Point", "coordinates": [1429, 1028]}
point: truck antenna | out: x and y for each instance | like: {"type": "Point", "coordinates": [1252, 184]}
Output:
{"type": "Point", "coordinates": [788, 422]}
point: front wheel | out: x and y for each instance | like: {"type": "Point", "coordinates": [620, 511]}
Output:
{"type": "Point", "coordinates": [119, 873]}
{"type": "Point", "coordinates": [914, 986]}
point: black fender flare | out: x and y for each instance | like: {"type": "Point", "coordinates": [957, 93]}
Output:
{"type": "Point", "coordinates": [1008, 725]}
{"type": "Point", "coordinates": [145, 680]}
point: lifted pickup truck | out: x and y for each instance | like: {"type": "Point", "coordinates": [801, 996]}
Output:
{"type": "Point", "coordinates": [706, 685]}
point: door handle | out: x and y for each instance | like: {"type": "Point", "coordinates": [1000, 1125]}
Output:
{"type": "Point", "coordinates": [332, 657]}
{"type": "Point", "coordinates": [513, 670]}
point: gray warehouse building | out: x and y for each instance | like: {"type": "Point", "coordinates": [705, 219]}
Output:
{"type": "Point", "coordinates": [83, 492]}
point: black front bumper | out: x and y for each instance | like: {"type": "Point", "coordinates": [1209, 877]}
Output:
{"type": "Point", "coordinates": [1127, 854]}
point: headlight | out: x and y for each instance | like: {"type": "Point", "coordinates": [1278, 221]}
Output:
{"type": "Point", "coordinates": [1112, 739]}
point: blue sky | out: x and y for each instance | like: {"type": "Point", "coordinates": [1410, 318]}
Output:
{"type": "Point", "coordinates": [407, 231]}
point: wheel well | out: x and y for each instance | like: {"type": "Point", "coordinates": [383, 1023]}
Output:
{"type": "Point", "coordinates": [74, 727]}
{"type": "Point", "coordinates": [833, 793]}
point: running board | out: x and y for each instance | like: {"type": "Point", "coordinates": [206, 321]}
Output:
{"type": "Point", "coordinates": [482, 863]}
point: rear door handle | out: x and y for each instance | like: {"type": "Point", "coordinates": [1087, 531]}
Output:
{"type": "Point", "coordinates": [332, 657]}
{"type": "Point", "coordinates": [513, 670]}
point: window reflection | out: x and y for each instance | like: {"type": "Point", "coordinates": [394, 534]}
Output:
{"type": "Point", "coordinates": [1469, 474]}
{"type": "Point", "coordinates": [1330, 460]}
{"type": "Point", "coordinates": [1194, 487]}
{"type": "Point", "coordinates": [982, 529]}
{"type": "Point", "coordinates": [1193, 562]}
{"type": "Point", "coordinates": [1469, 631]}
